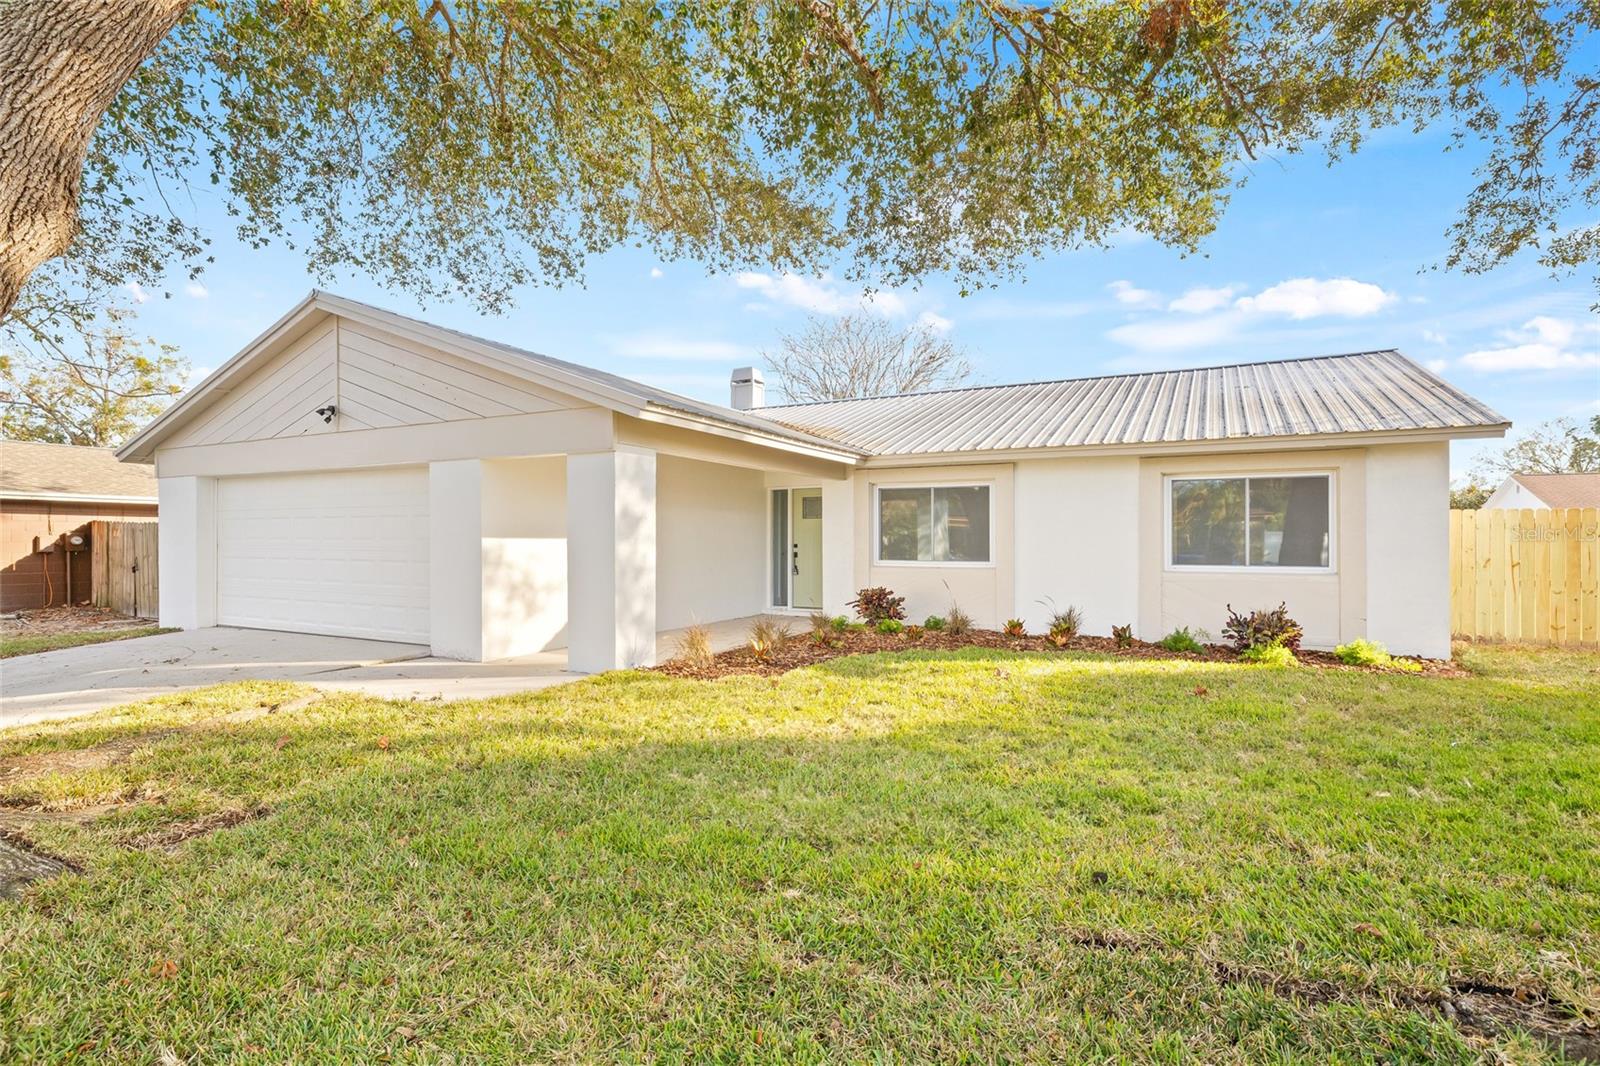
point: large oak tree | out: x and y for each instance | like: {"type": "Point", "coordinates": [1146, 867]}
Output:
{"type": "Point", "coordinates": [468, 147]}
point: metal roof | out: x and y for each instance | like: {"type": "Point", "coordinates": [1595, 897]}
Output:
{"type": "Point", "coordinates": [1364, 392]}
{"type": "Point", "coordinates": [35, 470]}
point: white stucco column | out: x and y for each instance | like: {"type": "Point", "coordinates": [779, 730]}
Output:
{"type": "Point", "coordinates": [611, 559]}
{"type": "Point", "coordinates": [1408, 548]}
{"type": "Point", "coordinates": [838, 545]}
{"type": "Point", "coordinates": [455, 558]}
{"type": "Point", "coordinates": [187, 546]}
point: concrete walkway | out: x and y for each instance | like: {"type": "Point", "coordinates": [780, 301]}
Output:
{"type": "Point", "coordinates": [72, 681]}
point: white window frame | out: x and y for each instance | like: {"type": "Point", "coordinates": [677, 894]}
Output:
{"type": "Point", "coordinates": [931, 486]}
{"type": "Point", "coordinates": [1245, 568]}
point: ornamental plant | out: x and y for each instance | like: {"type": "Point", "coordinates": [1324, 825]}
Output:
{"type": "Point", "coordinates": [878, 603]}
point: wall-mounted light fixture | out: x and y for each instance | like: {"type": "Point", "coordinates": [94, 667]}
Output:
{"type": "Point", "coordinates": [327, 412]}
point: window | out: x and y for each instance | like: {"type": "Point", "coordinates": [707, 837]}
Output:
{"type": "Point", "coordinates": [1252, 521]}
{"type": "Point", "coordinates": [939, 524]}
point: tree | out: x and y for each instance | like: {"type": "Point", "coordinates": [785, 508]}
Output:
{"type": "Point", "coordinates": [863, 355]}
{"type": "Point", "coordinates": [468, 147]}
{"type": "Point", "coordinates": [95, 397]}
{"type": "Point", "coordinates": [1469, 498]}
{"type": "Point", "coordinates": [1559, 446]}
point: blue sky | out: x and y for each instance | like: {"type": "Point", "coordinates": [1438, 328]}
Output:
{"type": "Point", "coordinates": [1307, 260]}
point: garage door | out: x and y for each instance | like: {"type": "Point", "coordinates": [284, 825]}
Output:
{"type": "Point", "coordinates": [343, 553]}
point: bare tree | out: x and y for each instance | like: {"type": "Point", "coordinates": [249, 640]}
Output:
{"type": "Point", "coordinates": [863, 355]}
{"type": "Point", "coordinates": [1559, 446]}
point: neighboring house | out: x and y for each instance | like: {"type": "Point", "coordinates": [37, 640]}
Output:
{"type": "Point", "coordinates": [1541, 491]}
{"type": "Point", "coordinates": [358, 472]}
{"type": "Point", "coordinates": [47, 492]}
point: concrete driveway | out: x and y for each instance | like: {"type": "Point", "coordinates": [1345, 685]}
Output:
{"type": "Point", "coordinates": [59, 684]}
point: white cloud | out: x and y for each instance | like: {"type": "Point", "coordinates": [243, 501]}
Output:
{"type": "Point", "coordinates": [666, 346]}
{"type": "Point", "coordinates": [139, 295]}
{"type": "Point", "coordinates": [655, 272]}
{"type": "Point", "coordinates": [1130, 295]}
{"type": "Point", "coordinates": [1433, 336]}
{"type": "Point", "coordinates": [1202, 298]}
{"type": "Point", "coordinates": [197, 374]}
{"type": "Point", "coordinates": [1301, 298]}
{"type": "Point", "coordinates": [1172, 334]}
{"type": "Point", "coordinates": [1001, 309]}
{"type": "Point", "coordinates": [197, 290]}
{"type": "Point", "coordinates": [935, 322]}
{"type": "Point", "coordinates": [822, 295]}
{"type": "Point", "coordinates": [1438, 366]}
{"type": "Point", "coordinates": [1543, 343]}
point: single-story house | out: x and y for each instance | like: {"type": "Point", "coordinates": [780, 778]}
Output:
{"type": "Point", "coordinates": [359, 472]}
{"type": "Point", "coordinates": [48, 494]}
{"type": "Point", "coordinates": [1543, 491]}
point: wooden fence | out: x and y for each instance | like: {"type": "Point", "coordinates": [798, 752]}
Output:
{"type": "Point", "coordinates": [1526, 575]}
{"type": "Point", "coordinates": [123, 566]}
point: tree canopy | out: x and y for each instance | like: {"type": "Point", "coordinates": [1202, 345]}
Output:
{"type": "Point", "coordinates": [465, 148]}
{"type": "Point", "coordinates": [863, 355]}
{"type": "Point", "coordinates": [1559, 446]}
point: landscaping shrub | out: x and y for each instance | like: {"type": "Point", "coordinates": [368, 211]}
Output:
{"type": "Point", "coordinates": [840, 623]}
{"type": "Point", "coordinates": [1181, 640]}
{"type": "Point", "coordinates": [933, 623]}
{"type": "Point", "coordinates": [1270, 654]}
{"type": "Point", "coordinates": [957, 622]}
{"type": "Point", "coordinates": [694, 647]}
{"type": "Point", "coordinates": [1362, 652]}
{"type": "Point", "coordinates": [821, 627]}
{"type": "Point", "coordinates": [766, 637]}
{"type": "Point", "coordinates": [1015, 628]}
{"type": "Point", "coordinates": [1064, 625]}
{"type": "Point", "coordinates": [876, 604]}
{"type": "Point", "coordinates": [1262, 627]}
{"type": "Point", "coordinates": [914, 632]}
{"type": "Point", "coordinates": [890, 625]}
{"type": "Point", "coordinates": [1123, 635]}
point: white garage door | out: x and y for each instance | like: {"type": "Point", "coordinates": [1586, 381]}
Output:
{"type": "Point", "coordinates": [343, 553]}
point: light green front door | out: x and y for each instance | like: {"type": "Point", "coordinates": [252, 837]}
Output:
{"type": "Point", "coordinates": [805, 526]}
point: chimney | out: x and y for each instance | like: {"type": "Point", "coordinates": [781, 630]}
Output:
{"type": "Point", "coordinates": [748, 389]}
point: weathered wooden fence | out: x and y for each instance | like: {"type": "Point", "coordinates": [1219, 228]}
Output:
{"type": "Point", "coordinates": [1526, 575]}
{"type": "Point", "coordinates": [123, 566]}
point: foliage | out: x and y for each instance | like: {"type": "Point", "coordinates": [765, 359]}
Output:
{"type": "Point", "coordinates": [468, 149]}
{"type": "Point", "coordinates": [95, 393]}
{"type": "Point", "coordinates": [840, 623]}
{"type": "Point", "coordinates": [1261, 628]}
{"type": "Point", "coordinates": [956, 621]}
{"type": "Point", "coordinates": [694, 647]}
{"type": "Point", "coordinates": [821, 624]}
{"type": "Point", "coordinates": [1559, 446]}
{"type": "Point", "coordinates": [914, 632]}
{"type": "Point", "coordinates": [1123, 635]}
{"type": "Point", "coordinates": [1272, 653]}
{"type": "Point", "coordinates": [863, 355]}
{"type": "Point", "coordinates": [1014, 627]}
{"type": "Point", "coordinates": [1363, 652]}
{"type": "Point", "coordinates": [890, 625]}
{"type": "Point", "coordinates": [918, 816]}
{"type": "Point", "coordinates": [877, 603]}
{"type": "Point", "coordinates": [767, 637]}
{"type": "Point", "coordinates": [1181, 640]}
{"type": "Point", "coordinates": [933, 623]}
{"type": "Point", "coordinates": [1468, 498]}
{"type": "Point", "coordinates": [1064, 625]}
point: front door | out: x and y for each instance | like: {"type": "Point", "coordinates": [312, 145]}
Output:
{"type": "Point", "coordinates": [806, 549]}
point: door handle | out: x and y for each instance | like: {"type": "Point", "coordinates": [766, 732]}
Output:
{"type": "Point", "coordinates": [795, 556]}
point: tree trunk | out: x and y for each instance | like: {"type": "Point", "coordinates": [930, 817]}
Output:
{"type": "Point", "coordinates": [62, 62]}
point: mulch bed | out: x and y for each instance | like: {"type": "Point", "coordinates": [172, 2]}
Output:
{"type": "Point", "coordinates": [800, 650]}
{"type": "Point", "coordinates": [43, 621]}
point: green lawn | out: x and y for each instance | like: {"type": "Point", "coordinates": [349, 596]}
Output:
{"type": "Point", "coordinates": [28, 644]}
{"type": "Point", "coordinates": [942, 857]}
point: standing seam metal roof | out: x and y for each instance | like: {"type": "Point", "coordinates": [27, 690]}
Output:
{"type": "Point", "coordinates": [1363, 392]}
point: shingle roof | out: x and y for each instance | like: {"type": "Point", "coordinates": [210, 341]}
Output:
{"type": "Point", "coordinates": [1365, 392]}
{"type": "Point", "coordinates": [1563, 490]}
{"type": "Point", "coordinates": [29, 470]}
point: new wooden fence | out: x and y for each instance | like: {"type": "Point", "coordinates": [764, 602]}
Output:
{"type": "Point", "coordinates": [123, 566]}
{"type": "Point", "coordinates": [1526, 575]}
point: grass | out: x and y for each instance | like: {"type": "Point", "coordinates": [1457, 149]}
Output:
{"type": "Point", "coordinates": [973, 856]}
{"type": "Point", "coordinates": [31, 643]}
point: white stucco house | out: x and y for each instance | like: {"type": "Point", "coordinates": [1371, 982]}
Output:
{"type": "Point", "coordinates": [357, 472]}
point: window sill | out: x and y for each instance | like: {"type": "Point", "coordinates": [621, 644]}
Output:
{"type": "Point", "coordinates": [917, 564]}
{"type": "Point", "coordinates": [1265, 571]}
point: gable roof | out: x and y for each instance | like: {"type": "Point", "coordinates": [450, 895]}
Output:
{"type": "Point", "coordinates": [1364, 392]}
{"type": "Point", "coordinates": [1563, 490]}
{"type": "Point", "coordinates": [30, 470]}
{"type": "Point", "coordinates": [612, 391]}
